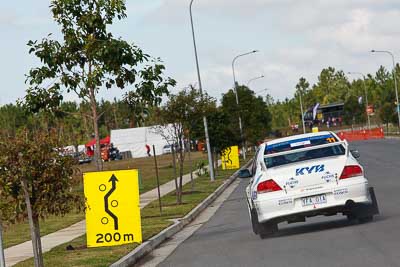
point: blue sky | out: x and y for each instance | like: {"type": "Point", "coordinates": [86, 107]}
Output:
{"type": "Point", "coordinates": [295, 38]}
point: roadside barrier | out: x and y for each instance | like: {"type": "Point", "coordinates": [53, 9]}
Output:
{"type": "Point", "coordinates": [376, 133]}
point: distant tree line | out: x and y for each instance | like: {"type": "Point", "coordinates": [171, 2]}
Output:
{"type": "Point", "coordinates": [334, 86]}
{"type": "Point", "coordinates": [261, 116]}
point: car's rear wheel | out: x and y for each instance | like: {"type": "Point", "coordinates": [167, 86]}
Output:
{"type": "Point", "coordinates": [254, 221]}
{"type": "Point", "coordinates": [365, 219]}
{"type": "Point", "coordinates": [351, 217]}
{"type": "Point", "coordinates": [267, 229]}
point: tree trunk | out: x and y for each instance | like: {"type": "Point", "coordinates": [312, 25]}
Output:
{"type": "Point", "coordinates": [181, 161]}
{"type": "Point", "coordinates": [93, 106]}
{"type": "Point", "coordinates": [38, 240]}
{"type": "Point", "coordinates": [38, 258]}
{"type": "Point", "coordinates": [97, 150]}
{"type": "Point", "coordinates": [175, 173]}
{"type": "Point", "coordinates": [2, 258]}
{"type": "Point", "coordinates": [190, 163]}
{"type": "Point", "coordinates": [85, 124]}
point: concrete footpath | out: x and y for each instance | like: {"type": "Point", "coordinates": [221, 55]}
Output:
{"type": "Point", "coordinates": [23, 251]}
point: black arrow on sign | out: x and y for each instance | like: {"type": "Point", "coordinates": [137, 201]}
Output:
{"type": "Point", "coordinates": [114, 181]}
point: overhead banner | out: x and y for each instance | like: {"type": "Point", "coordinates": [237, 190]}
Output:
{"type": "Point", "coordinates": [230, 158]}
{"type": "Point", "coordinates": [112, 208]}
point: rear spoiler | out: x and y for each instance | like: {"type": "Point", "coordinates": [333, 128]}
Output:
{"type": "Point", "coordinates": [344, 143]}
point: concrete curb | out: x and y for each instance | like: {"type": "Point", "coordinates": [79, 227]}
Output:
{"type": "Point", "coordinates": [149, 245]}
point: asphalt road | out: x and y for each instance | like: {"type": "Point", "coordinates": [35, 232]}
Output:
{"type": "Point", "coordinates": [227, 240]}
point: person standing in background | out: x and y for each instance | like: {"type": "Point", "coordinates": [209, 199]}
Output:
{"type": "Point", "coordinates": [148, 150]}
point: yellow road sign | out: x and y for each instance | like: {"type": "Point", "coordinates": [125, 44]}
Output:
{"type": "Point", "coordinates": [112, 208]}
{"type": "Point", "coordinates": [230, 158]}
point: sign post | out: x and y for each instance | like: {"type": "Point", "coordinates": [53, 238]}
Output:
{"type": "Point", "coordinates": [158, 179]}
{"type": "Point", "coordinates": [112, 208]}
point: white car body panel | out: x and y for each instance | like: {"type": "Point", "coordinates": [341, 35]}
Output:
{"type": "Point", "coordinates": [304, 179]}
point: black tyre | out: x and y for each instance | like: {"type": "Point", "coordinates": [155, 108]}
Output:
{"type": "Point", "coordinates": [267, 229]}
{"type": "Point", "coordinates": [254, 221]}
{"type": "Point", "coordinates": [366, 219]}
{"type": "Point", "coordinates": [351, 217]}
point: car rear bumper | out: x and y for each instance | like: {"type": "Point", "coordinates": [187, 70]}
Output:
{"type": "Point", "coordinates": [291, 209]}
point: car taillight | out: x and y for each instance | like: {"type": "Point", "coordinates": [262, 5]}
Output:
{"type": "Point", "coordinates": [268, 186]}
{"type": "Point", "coordinates": [351, 171]}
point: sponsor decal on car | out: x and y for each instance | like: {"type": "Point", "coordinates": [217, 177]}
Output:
{"type": "Point", "coordinates": [328, 176]}
{"type": "Point", "coordinates": [285, 201]}
{"type": "Point", "coordinates": [341, 191]}
{"type": "Point", "coordinates": [292, 183]}
{"type": "Point", "coordinates": [311, 188]}
{"type": "Point", "coordinates": [309, 170]}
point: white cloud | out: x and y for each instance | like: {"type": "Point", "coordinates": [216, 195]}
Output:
{"type": "Point", "coordinates": [296, 38]}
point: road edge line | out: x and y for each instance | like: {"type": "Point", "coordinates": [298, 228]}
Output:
{"type": "Point", "coordinates": [148, 246]}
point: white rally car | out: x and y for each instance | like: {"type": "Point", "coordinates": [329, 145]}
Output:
{"type": "Point", "coordinates": [303, 176]}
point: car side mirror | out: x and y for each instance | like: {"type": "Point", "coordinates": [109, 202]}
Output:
{"type": "Point", "coordinates": [355, 153]}
{"type": "Point", "coordinates": [244, 174]}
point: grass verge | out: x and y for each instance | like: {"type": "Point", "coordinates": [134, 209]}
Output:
{"type": "Point", "coordinates": [152, 223]}
{"type": "Point", "coordinates": [18, 233]}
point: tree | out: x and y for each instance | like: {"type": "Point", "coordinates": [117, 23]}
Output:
{"type": "Point", "coordinates": [177, 118]}
{"type": "Point", "coordinates": [354, 111]}
{"type": "Point", "coordinates": [223, 134]}
{"type": "Point", "coordinates": [36, 181]}
{"type": "Point", "coordinates": [256, 117]}
{"type": "Point", "coordinates": [387, 114]}
{"type": "Point", "coordinates": [12, 117]}
{"type": "Point", "coordinates": [89, 58]}
{"type": "Point", "coordinates": [301, 91]}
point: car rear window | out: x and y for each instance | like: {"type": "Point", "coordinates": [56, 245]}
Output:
{"type": "Point", "coordinates": [294, 157]}
{"type": "Point", "coordinates": [300, 143]}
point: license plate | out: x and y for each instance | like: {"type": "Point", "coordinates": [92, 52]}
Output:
{"type": "Point", "coordinates": [318, 199]}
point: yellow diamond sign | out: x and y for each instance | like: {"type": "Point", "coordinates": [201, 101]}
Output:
{"type": "Point", "coordinates": [230, 158]}
{"type": "Point", "coordinates": [112, 208]}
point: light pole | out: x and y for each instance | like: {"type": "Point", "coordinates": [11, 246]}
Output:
{"type": "Point", "coordinates": [256, 78]}
{"type": "Point", "coordinates": [237, 99]}
{"type": "Point", "coordinates": [395, 81]}
{"type": "Point", "coordinates": [210, 161]}
{"type": "Point", "coordinates": [366, 95]}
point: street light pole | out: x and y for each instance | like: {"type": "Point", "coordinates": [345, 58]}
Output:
{"type": "Point", "coordinates": [366, 96]}
{"type": "Point", "coordinates": [210, 161]}
{"type": "Point", "coordinates": [237, 100]}
{"type": "Point", "coordinates": [395, 81]}
{"type": "Point", "coordinates": [256, 78]}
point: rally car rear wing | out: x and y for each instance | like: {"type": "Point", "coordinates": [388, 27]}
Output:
{"type": "Point", "coordinates": [344, 143]}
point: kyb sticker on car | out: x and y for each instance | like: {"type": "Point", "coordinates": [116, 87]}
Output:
{"type": "Point", "coordinates": [309, 170]}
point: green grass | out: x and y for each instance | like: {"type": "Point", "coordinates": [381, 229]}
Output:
{"type": "Point", "coordinates": [152, 223]}
{"type": "Point", "coordinates": [19, 232]}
